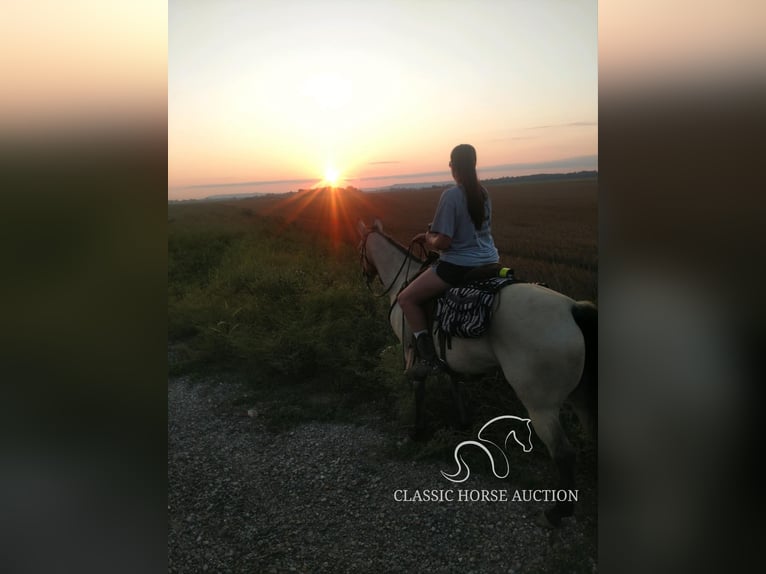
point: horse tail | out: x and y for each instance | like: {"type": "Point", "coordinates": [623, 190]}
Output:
{"type": "Point", "coordinates": [585, 315]}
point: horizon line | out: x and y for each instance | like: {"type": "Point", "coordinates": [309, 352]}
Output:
{"type": "Point", "coordinates": [570, 162]}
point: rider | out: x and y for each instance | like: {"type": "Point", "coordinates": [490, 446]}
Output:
{"type": "Point", "coordinates": [461, 232]}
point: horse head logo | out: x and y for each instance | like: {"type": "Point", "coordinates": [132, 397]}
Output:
{"type": "Point", "coordinates": [520, 431]}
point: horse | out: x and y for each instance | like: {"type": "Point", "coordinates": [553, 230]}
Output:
{"type": "Point", "coordinates": [543, 342]}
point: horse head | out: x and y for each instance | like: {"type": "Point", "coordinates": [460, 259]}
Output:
{"type": "Point", "coordinates": [369, 271]}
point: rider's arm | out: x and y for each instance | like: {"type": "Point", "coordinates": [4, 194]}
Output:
{"type": "Point", "coordinates": [438, 241]}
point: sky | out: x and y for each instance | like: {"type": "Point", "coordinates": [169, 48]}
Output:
{"type": "Point", "coordinates": [273, 96]}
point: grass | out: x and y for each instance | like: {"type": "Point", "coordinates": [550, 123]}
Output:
{"type": "Point", "coordinates": [546, 231]}
{"type": "Point", "coordinates": [270, 289]}
{"type": "Point", "coordinates": [264, 291]}
{"type": "Point", "coordinates": [252, 295]}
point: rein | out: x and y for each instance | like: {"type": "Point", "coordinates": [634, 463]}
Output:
{"type": "Point", "coordinates": [406, 261]}
{"type": "Point", "coordinates": [368, 279]}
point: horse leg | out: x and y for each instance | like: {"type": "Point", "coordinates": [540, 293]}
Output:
{"type": "Point", "coordinates": [584, 398]}
{"type": "Point", "coordinates": [457, 396]}
{"type": "Point", "coordinates": [585, 413]}
{"type": "Point", "coordinates": [420, 422]}
{"type": "Point", "coordinates": [548, 428]}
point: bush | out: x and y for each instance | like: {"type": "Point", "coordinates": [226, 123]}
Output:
{"type": "Point", "coordinates": [287, 309]}
{"type": "Point", "coordinates": [271, 301]}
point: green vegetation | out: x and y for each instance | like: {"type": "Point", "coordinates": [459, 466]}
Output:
{"type": "Point", "coordinates": [256, 299]}
{"type": "Point", "coordinates": [256, 296]}
{"type": "Point", "coordinates": [286, 310]}
{"type": "Point", "coordinates": [283, 309]}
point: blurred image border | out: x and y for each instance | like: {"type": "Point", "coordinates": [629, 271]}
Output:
{"type": "Point", "coordinates": [680, 212]}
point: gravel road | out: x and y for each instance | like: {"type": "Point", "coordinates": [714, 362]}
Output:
{"type": "Point", "coordinates": [320, 498]}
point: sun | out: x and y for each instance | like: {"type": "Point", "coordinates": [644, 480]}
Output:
{"type": "Point", "coordinates": [332, 176]}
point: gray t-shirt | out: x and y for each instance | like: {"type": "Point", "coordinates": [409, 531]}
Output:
{"type": "Point", "coordinates": [470, 247]}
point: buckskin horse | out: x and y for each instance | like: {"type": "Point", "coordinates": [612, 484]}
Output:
{"type": "Point", "coordinates": [544, 342]}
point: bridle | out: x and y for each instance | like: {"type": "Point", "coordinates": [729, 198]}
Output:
{"type": "Point", "coordinates": [369, 271]}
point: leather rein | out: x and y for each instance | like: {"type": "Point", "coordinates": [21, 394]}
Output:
{"type": "Point", "coordinates": [366, 263]}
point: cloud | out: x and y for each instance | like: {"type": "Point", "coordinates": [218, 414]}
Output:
{"type": "Point", "coordinates": [515, 138]}
{"type": "Point", "coordinates": [546, 127]}
{"type": "Point", "coordinates": [568, 125]}
{"type": "Point", "coordinates": [247, 183]}
{"type": "Point", "coordinates": [578, 162]}
{"type": "Point", "coordinates": [405, 175]}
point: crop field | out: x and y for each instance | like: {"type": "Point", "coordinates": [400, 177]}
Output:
{"type": "Point", "coordinates": [546, 231]}
{"type": "Point", "coordinates": [266, 297]}
{"type": "Point", "coordinates": [270, 288]}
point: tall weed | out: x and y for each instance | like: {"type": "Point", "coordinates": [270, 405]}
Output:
{"type": "Point", "coordinates": [270, 300]}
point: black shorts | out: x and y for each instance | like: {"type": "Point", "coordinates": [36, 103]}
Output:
{"type": "Point", "coordinates": [451, 273]}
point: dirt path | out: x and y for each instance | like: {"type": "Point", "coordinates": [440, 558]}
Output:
{"type": "Point", "coordinates": [320, 498]}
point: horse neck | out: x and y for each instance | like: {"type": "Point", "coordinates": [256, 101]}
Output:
{"type": "Point", "coordinates": [388, 260]}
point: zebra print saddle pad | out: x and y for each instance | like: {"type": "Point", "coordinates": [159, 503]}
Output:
{"type": "Point", "coordinates": [466, 311]}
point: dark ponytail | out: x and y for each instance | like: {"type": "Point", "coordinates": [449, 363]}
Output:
{"type": "Point", "coordinates": [463, 161]}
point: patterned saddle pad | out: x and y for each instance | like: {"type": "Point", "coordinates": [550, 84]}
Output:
{"type": "Point", "coordinates": [466, 311]}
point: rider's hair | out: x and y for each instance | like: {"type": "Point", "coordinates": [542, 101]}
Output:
{"type": "Point", "coordinates": [463, 161]}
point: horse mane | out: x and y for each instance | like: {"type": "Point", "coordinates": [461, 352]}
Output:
{"type": "Point", "coordinates": [404, 250]}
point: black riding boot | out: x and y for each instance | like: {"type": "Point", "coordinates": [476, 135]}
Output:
{"type": "Point", "coordinates": [426, 362]}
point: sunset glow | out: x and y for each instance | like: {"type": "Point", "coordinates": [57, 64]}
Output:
{"type": "Point", "coordinates": [332, 176]}
{"type": "Point", "coordinates": [260, 100]}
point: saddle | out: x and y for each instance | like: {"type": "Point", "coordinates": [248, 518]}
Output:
{"type": "Point", "coordinates": [484, 272]}
{"type": "Point", "coordinates": [466, 310]}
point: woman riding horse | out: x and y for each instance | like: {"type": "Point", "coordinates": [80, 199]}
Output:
{"type": "Point", "coordinates": [461, 232]}
{"type": "Point", "coordinates": [544, 342]}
